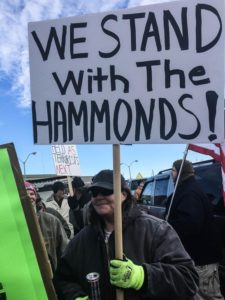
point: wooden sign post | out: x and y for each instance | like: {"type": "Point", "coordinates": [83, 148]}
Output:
{"type": "Point", "coordinates": [118, 210]}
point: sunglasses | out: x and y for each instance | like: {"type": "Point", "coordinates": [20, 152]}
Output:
{"type": "Point", "coordinates": [103, 192]}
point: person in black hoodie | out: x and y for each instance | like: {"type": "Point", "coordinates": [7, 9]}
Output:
{"type": "Point", "coordinates": [190, 214]}
{"type": "Point", "coordinates": [80, 198]}
{"type": "Point", "coordinates": [155, 265]}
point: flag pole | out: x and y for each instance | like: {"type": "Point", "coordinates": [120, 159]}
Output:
{"type": "Point", "coordinates": [118, 210]}
{"type": "Point", "coordinates": [176, 184]}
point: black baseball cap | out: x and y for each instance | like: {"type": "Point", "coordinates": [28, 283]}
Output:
{"type": "Point", "coordinates": [104, 179]}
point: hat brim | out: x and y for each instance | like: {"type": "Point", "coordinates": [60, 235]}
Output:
{"type": "Point", "coordinates": [103, 185]}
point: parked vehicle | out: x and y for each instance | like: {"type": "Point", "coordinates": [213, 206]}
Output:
{"type": "Point", "coordinates": [159, 187]}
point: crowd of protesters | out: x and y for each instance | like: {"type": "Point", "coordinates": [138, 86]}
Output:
{"type": "Point", "coordinates": [174, 258]}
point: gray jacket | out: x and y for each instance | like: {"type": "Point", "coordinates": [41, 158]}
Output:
{"type": "Point", "coordinates": [54, 236]}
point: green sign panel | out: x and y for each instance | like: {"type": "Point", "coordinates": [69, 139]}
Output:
{"type": "Point", "coordinates": [19, 271]}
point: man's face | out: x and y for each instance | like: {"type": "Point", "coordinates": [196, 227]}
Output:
{"type": "Point", "coordinates": [32, 196]}
{"type": "Point", "coordinates": [103, 201]}
{"type": "Point", "coordinates": [174, 174]}
{"type": "Point", "coordinates": [60, 194]}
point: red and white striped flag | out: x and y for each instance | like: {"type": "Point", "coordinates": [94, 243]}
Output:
{"type": "Point", "coordinates": [217, 151]}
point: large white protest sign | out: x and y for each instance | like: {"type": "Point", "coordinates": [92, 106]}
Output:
{"type": "Point", "coordinates": [150, 74]}
{"type": "Point", "coordinates": [66, 160]}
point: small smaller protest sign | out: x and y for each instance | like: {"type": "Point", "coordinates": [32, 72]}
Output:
{"type": "Point", "coordinates": [66, 160]}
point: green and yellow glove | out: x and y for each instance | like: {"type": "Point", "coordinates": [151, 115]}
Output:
{"type": "Point", "coordinates": [82, 298]}
{"type": "Point", "coordinates": [125, 274]}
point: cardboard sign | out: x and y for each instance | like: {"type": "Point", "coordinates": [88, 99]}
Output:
{"type": "Point", "coordinates": [150, 74]}
{"type": "Point", "coordinates": [22, 275]}
{"type": "Point", "coordinates": [66, 160]}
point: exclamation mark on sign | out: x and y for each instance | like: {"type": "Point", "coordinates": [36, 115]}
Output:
{"type": "Point", "coordinates": [211, 99]}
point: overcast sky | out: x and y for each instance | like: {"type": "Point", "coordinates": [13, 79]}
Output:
{"type": "Point", "coordinates": [14, 17]}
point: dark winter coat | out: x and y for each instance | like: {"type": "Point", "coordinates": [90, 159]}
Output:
{"type": "Point", "coordinates": [76, 209]}
{"type": "Point", "coordinates": [191, 216]}
{"type": "Point", "coordinates": [147, 241]}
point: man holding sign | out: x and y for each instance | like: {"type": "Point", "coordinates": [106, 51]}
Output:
{"type": "Point", "coordinates": [155, 264]}
{"type": "Point", "coordinates": [149, 74]}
